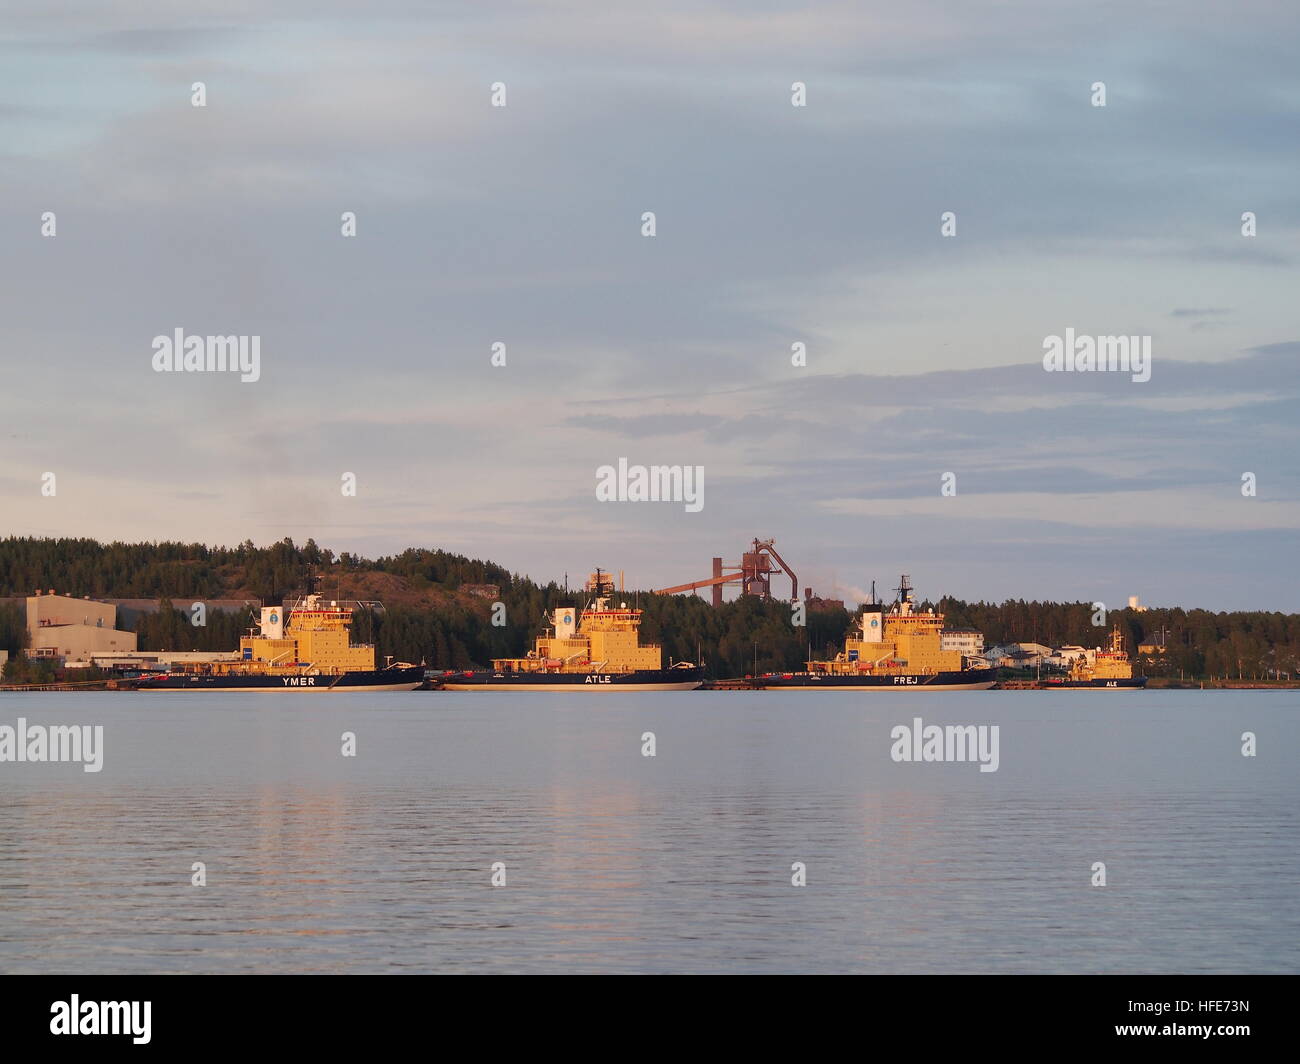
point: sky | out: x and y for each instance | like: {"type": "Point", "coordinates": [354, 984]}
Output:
{"type": "Point", "coordinates": [775, 225]}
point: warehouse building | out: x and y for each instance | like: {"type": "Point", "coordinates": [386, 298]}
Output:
{"type": "Point", "coordinates": [60, 626]}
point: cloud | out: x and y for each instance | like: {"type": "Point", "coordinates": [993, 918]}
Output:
{"type": "Point", "coordinates": [776, 225]}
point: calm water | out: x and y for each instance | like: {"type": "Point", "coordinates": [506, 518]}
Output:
{"type": "Point", "coordinates": [680, 862]}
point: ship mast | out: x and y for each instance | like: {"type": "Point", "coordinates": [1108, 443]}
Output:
{"type": "Point", "coordinates": [904, 590]}
{"type": "Point", "coordinates": [601, 584]}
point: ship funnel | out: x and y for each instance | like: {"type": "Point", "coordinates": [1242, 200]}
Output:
{"type": "Point", "coordinates": [272, 622]}
{"type": "Point", "coordinates": [565, 621]}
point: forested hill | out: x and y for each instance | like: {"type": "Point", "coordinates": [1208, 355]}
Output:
{"type": "Point", "coordinates": [196, 571]}
{"type": "Point", "coordinates": [429, 612]}
{"type": "Point", "coordinates": [433, 614]}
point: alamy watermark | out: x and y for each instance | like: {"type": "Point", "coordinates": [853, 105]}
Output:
{"type": "Point", "coordinates": [75, 1016]}
{"type": "Point", "coordinates": [82, 743]}
{"type": "Point", "coordinates": [1088, 354]}
{"type": "Point", "coordinates": [179, 353]}
{"type": "Point", "coordinates": [638, 483]}
{"type": "Point", "coordinates": [950, 743]}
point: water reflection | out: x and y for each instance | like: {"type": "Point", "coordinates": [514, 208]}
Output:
{"type": "Point", "coordinates": [617, 862]}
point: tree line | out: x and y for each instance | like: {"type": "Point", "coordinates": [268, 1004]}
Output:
{"type": "Point", "coordinates": [1199, 644]}
{"type": "Point", "coordinates": [741, 636]}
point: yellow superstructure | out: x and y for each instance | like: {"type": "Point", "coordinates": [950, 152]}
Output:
{"type": "Point", "coordinates": [315, 638]}
{"type": "Point", "coordinates": [600, 638]}
{"type": "Point", "coordinates": [1111, 664]}
{"type": "Point", "coordinates": [900, 641]}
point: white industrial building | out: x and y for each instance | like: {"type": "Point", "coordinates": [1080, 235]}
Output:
{"type": "Point", "coordinates": [150, 660]}
{"type": "Point", "coordinates": [1020, 656]}
{"type": "Point", "coordinates": [74, 629]}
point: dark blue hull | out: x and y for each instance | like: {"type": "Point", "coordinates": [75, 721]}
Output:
{"type": "Point", "coordinates": [403, 679]}
{"type": "Point", "coordinates": [677, 679]}
{"type": "Point", "coordinates": [957, 680]}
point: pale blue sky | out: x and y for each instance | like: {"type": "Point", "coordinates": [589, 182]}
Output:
{"type": "Point", "coordinates": [775, 225]}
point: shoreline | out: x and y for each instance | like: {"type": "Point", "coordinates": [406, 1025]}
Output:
{"type": "Point", "coordinates": [118, 686]}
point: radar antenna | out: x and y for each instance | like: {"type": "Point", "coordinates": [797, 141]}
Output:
{"type": "Point", "coordinates": [904, 588]}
